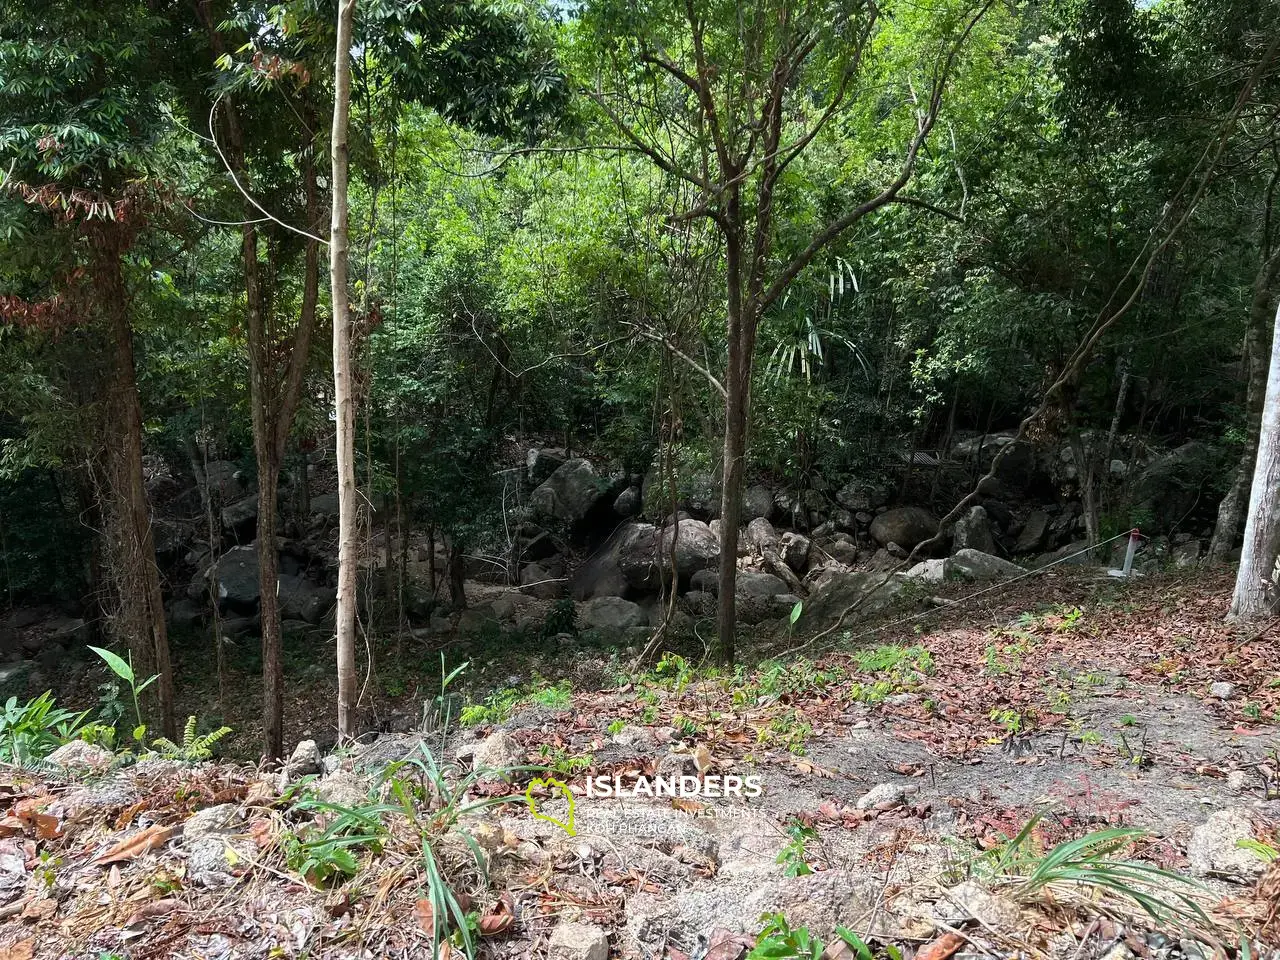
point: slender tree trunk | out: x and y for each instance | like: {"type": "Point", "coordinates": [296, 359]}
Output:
{"type": "Point", "coordinates": [457, 576]}
{"type": "Point", "coordinates": [141, 598]}
{"type": "Point", "coordinates": [342, 382]}
{"type": "Point", "coordinates": [737, 404]}
{"type": "Point", "coordinates": [1255, 582]}
{"type": "Point", "coordinates": [1257, 348]}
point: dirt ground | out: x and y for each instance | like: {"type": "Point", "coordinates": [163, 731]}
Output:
{"type": "Point", "coordinates": [895, 772]}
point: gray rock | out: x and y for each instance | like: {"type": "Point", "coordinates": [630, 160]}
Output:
{"type": "Point", "coordinates": [13, 678]}
{"type": "Point", "coordinates": [629, 503]}
{"type": "Point", "coordinates": [578, 941]}
{"type": "Point", "coordinates": [537, 581]}
{"type": "Point", "coordinates": [841, 551]}
{"type": "Point", "coordinates": [79, 756]}
{"type": "Point", "coordinates": [795, 550]}
{"type": "Point", "coordinates": [818, 901]}
{"type": "Point", "coordinates": [324, 505]}
{"type": "Point", "coordinates": [242, 515]}
{"type": "Point", "coordinates": [883, 796]}
{"type": "Point", "coordinates": [343, 788]}
{"type": "Point", "coordinates": [991, 909]}
{"type": "Point", "coordinates": [975, 565]}
{"type": "Point", "coordinates": [570, 492]}
{"type": "Point", "coordinates": [749, 583]}
{"type": "Point", "coordinates": [762, 536]}
{"type": "Point", "coordinates": [611, 613]}
{"type": "Point", "coordinates": [541, 462]}
{"type": "Point", "coordinates": [1034, 531]}
{"type": "Point", "coordinates": [930, 571]}
{"type": "Point", "coordinates": [301, 599]}
{"type": "Point", "coordinates": [973, 531]}
{"type": "Point", "coordinates": [237, 572]}
{"type": "Point", "coordinates": [303, 762]}
{"type": "Point", "coordinates": [836, 590]}
{"type": "Point", "coordinates": [1214, 846]}
{"type": "Point", "coordinates": [645, 558]}
{"type": "Point", "coordinates": [757, 503]}
{"type": "Point", "coordinates": [212, 821]}
{"type": "Point", "coordinates": [1186, 555]}
{"type": "Point", "coordinates": [1222, 690]}
{"type": "Point", "coordinates": [862, 495]}
{"type": "Point", "coordinates": [1169, 487]}
{"type": "Point", "coordinates": [497, 753]}
{"type": "Point", "coordinates": [905, 526]}
{"type": "Point", "coordinates": [625, 560]}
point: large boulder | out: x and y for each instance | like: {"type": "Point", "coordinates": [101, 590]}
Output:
{"type": "Point", "coordinates": [976, 565]}
{"type": "Point", "coordinates": [1017, 468]}
{"type": "Point", "coordinates": [748, 583]}
{"type": "Point", "coordinates": [1171, 486]}
{"type": "Point", "coordinates": [837, 590]}
{"type": "Point", "coordinates": [537, 581]}
{"type": "Point", "coordinates": [973, 531]}
{"type": "Point", "coordinates": [757, 502]}
{"type": "Point", "coordinates": [542, 462]}
{"type": "Point", "coordinates": [646, 560]}
{"type": "Point", "coordinates": [794, 549]}
{"type": "Point", "coordinates": [240, 519]}
{"type": "Point", "coordinates": [905, 526]}
{"type": "Point", "coordinates": [863, 495]}
{"type": "Point", "coordinates": [611, 613]}
{"type": "Point", "coordinates": [570, 493]}
{"type": "Point", "coordinates": [762, 537]}
{"type": "Point", "coordinates": [602, 573]}
{"type": "Point", "coordinates": [237, 572]}
{"type": "Point", "coordinates": [301, 599]}
{"type": "Point", "coordinates": [1031, 539]}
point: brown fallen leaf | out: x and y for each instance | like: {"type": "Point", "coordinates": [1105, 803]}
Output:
{"type": "Point", "coordinates": [726, 945]}
{"type": "Point", "coordinates": [22, 950]}
{"type": "Point", "coordinates": [42, 908]}
{"type": "Point", "coordinates": [498, 918]}
{"type": "Point", "coordinates": [942, 948]}
{"type": "Point", "coordinates": [12, 827]}
{"type": "Point", "coordinates": [686, 805]}
{"type": "Point", "coordinates": [156, 908]}
{"type": "Point", "coordinates": [263, 832]}
{"type": "Point", "coordinates": [426, 916]}
{"type": "Point", "coordinates": [135, 846]}
{"type": "Point", "coordinates": [702, 758]}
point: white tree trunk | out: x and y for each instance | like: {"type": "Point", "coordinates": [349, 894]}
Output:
{"type": "Point", "coordinates": [1254, 589]}
{"type": "Point", "coordinates": [342, 387]}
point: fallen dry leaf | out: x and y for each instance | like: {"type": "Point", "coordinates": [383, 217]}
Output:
{"type": "Point", "coordinates": [499, 917]}
{"type": "Point", "coordinates": [702, 758]}
{"type": "Point", "coordinates": [22, 950]}
{"type": "Point", "coordinates": [942, 948]}
{"type": "Point", "coordinates": [726, 945]}
{"type": "Point", "coordinates": [42, 908]}
{"type": "Point", "coordinates": [156, 908]}
{"type": "Point", "coordinates": [135, 846]}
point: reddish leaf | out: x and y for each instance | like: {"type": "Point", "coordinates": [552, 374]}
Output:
{"type": "Point", "coordinates": [942, 948]}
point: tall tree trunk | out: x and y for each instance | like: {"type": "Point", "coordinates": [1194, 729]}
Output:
{"type": "Point", "coordinates": [737, 404]}
{"type": "Point", "coordinates": [138, 577]}
{"type": "Point", "coordinates": [1255, 581]}
{"type": "Point", "coordinates": [261, 404]}
{"type": "Point", "coordinates": [342, 385]}
{"type": "Point", "coordinates": [1257, 348]}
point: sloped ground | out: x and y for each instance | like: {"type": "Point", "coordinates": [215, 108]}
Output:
{"type": "Point", "coordinates": [893, 776]}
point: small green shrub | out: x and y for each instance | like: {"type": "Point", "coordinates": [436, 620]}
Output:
{"type": "Point", "coordinates": [31, 731]}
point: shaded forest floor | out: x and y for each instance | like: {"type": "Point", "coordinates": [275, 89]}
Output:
{"type": "Point", "coordinates": [898, 776]}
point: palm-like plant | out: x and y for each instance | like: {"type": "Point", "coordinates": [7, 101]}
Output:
{"type": "Point", "coordinates": [804, 337]}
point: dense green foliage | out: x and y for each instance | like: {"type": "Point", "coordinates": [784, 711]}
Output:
{"type": "Point", "coordinates": [519, 266]}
